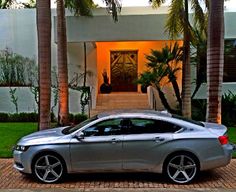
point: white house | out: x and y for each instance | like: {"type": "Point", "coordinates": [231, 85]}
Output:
{"type": "Point", "coordinates": [138, 30]}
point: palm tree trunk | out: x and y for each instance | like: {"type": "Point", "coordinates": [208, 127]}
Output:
{"type": "Point", "coordinates": [215, 60]}
{"type": "Point", "coordinates": [177, 93]}
{"type": "Point", "coordinates": [62, 64]}
{"type": "Point", "coordinates": [44, 61]}
{"type": "Point", "coordinates": [186, 72]}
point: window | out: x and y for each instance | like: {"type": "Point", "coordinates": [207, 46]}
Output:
{"type": "Point", "coordinates": [230, 61]}
{"type": "Point", "coordinates": [145, 126]}
{"type": "Point", "coordinates": [107, 127]}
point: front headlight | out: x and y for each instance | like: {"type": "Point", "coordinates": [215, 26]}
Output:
{"type": "Point", "coordinates": [21, 148]}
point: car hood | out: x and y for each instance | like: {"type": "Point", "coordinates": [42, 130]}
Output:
{"type": "Point", "coordinates": [42, 137]}
{"type": "Point", "coordinates": [215, 128]}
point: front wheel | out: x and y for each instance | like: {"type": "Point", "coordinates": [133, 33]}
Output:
{"type": "Point", "coordinates": [181, 168]}
{"type": "Point", "coordinates": [48, 168]}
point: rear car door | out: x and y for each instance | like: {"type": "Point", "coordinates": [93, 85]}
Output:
{"type": "Point", "coordinates": [144, 142]}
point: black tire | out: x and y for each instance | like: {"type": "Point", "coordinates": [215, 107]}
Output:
{"type": "Point", "coordinates": [48, 168]}
{"type": "Point", "coordinates": [181, 168]}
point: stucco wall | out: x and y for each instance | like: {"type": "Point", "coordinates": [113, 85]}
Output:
{"type": "Point", "coordinates": [18, 31]}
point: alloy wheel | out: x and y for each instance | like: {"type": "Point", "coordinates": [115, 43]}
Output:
{"type": "Point", "coordinates": [48, 168]}
{"type": "Point", "coordinates": [181, 168]}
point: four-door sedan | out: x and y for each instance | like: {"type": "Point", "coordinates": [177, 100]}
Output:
{"type": "Point", "coordinates": [124, 141]}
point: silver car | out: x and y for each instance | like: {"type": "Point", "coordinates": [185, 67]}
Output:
{"type": "Point", "coordinates": [124, 141]}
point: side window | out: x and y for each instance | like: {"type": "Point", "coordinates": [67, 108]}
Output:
{"type": "Point", "coordinates": [139, 126]}
{"type": "Point", "coordinates": [145, 126]}
{"type": "Point", "coordinates": [107, 127]}
{"type": "Point", "coordinates": [167, 127]}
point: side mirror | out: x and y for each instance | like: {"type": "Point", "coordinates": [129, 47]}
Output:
{"type": "Point", "coordinates": [80, 136]}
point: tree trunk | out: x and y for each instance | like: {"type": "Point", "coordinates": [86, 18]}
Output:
{"type": "Point", "coordinates": [215, 60]}
{"type": "Point", "coordinates": [62, 64]}
{"type": "Point", "coordinates": [44, 61]}
{"type": "Point", "coordinates": [186, 72]}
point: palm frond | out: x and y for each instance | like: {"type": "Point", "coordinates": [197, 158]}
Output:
{"type": "Point", "coordinates": [6, 4]}
{"type": "Point", "coordinates": [199, 16]}
{"type": "Point", "coordinates": [81, 7]}
{"type": "Point", "coordinates": [175, 24]}
{"type": "Point", "coordinates": [113, 7]}
{"type": "Point", "coordinates": [156, 3]}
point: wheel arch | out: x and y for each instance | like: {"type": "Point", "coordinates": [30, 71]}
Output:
{"type": "Point", "coordinates": [169, 156]}
{"type": "Point", "coordinates": [49, 152]}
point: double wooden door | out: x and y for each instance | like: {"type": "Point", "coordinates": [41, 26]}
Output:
{"type": "Point", "coordinates": [124, 70]}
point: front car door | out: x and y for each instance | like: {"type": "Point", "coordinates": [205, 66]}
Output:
{"type": "Point", "coordinates": [144, 142]}
{"type": "Point", "coordinates": [100, 149]}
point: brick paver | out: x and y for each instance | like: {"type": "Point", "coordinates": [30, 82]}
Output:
{"type": "Point", "coordinates": [223, 178]}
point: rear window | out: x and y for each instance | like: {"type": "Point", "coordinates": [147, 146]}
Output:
{"type": "Point", "coordinates": [188, 120]}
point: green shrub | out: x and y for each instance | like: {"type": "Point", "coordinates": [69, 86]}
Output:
{"type": "Point", "coordinates": [23, 117]}
{"type": "Point", "coordinates": [228, 111]}
{"type": "Point", "coordinates": [53, 118]}
{"type": "Point", "coordinates": [4, 117]}
{"type": "Point", "coordinates": [71, 117]}
{"type": "Point", "coordinates": [199, 109]}
{"type": "Point", "coordinates": [78, 118]}
{"type": "Point", "coordinates": [33, 117]}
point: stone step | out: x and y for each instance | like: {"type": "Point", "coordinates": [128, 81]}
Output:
{"type": "Point", "coordinates": [116, 101]}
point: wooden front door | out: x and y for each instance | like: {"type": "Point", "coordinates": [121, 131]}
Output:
{"type": "Point", "coordinates": [124, 70]}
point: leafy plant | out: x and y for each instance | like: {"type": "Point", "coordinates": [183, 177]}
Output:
{"type": "Point", "coordinates": [14, 98]}
{"type": "Point", "coordinates": [15, 69]}
{"type": "Point", "coordinates": [55, 89]}
{"type": "Point", "coordinates": [162, 64]}
{"type": "Point", "coordinates": [229, 109]}
{"type": "Point", "coordinates": [75, 84]}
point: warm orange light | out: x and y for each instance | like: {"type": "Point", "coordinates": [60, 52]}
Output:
{"type": "Point", "coordinates": [143, 48]}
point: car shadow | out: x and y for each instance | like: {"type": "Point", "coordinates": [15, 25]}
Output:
{"type": "Point", "coordinates": [126, 179]}
{"type": "Point", "coordinates": [203, 177]}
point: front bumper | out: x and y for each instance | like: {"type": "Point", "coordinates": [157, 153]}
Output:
{"type": "Point", "coordinates": [22, 161]}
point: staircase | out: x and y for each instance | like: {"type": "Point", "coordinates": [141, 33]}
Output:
{"type": "Point", "coordinates": [125, 100]}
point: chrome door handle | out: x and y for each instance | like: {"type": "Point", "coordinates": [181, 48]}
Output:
{"type": "Point", "coordinates": [114, 140]}
{"type": "Point", "coordinates": [159, 139]}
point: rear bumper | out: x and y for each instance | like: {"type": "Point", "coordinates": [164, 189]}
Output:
{"type": "Point", "coordinates": [234, 147]}
{"type": "Point", "coordinates": [219, 161]}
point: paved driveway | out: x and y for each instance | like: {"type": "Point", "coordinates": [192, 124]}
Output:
{"type": "Point", "coordinates": [221, 178]}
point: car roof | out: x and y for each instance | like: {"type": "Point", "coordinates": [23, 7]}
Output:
{"type": "Point", "coordinates": [137, 112]}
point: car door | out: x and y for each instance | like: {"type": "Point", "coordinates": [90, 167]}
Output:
{"type": "Point", "coordinates": [144, 143]}
{"type": "Point", "coordinates": [100, 149]}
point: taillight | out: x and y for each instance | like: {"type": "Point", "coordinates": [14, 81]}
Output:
{"type": "Point", "coordinates": [223, 139]}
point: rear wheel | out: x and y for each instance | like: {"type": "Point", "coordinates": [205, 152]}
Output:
{"type": "Point", "coordinates": [48, 168]}
{"type": "Point", "coordinates": [181, 168]}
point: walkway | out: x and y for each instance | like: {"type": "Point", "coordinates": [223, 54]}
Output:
{"type": "Point", "coordinates": [221, 178]}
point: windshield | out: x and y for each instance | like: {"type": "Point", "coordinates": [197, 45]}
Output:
{"type": "Point", "coordinates": [188, 120]}
{"type": "Point", "coordinates": [70, 130]}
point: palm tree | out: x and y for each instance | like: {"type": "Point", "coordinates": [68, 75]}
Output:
{"type": "Point", "coordinates": [82, 7]}
{"type": "Point", "coordinates": [215, 60]}
{"type": "Point", "coordinates": [63, 112]}
{"type": "Point", "coordinates": [44, 61]}
{"type": "Point", "coordinates": [178, 23]}
{"type": "Point", "coordinates": [161, 64]}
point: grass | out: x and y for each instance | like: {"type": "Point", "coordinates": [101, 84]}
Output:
{"type": "Point", "coordinates": [10, 133]}
{"type": "Point", "coordinates": [232, 137]}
